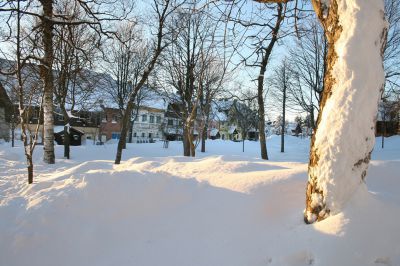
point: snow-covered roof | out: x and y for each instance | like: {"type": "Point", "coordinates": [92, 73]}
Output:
{"type": "Point", "coordinates": [231, 129]}
{"type": "Point", "coordinates": [154, 100]}
{"type": "Point", "coordinates": [213, 132]}
{"type": "Point", "coordinates": [59, 129]}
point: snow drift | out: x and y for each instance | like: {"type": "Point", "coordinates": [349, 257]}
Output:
{"type": "Point", "coordinates": [221, 209]}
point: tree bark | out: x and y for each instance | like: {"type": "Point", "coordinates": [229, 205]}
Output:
{"type": "Point", "coordinates": [185, 137]}
{"type": "Point", "coordinates": [130, 131]}
{"type": "Point", "coordinates": [30, 169]}
{"type": "Point", "coordinates": [312, 118]}
{"type": "Point", "coordinates": [67, 141]}
{"type": "Point", "coordinates": [261, 123]}
{"type": "Point", "coordinates": [340, 150]}
{"type": "Point", "coordinates": [46, 73]}
{"type": "Point", "coordinates": [124, 130]}
{"type": "Point", "coordinates": [191, 144]}
{"type": "Point", "coordinates": [204, 137]}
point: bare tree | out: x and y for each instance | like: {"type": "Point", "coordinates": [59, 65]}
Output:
{"type": "Point", "coordinates": [308, 65]}
{"type": "Point", "coordinates": [126, 58]}
{"type": "Point", "coordinates": [26, 86]}
{"type": "Point", "coordinates": [391, 58]}
{"type": "Point", "coordinates": [75, 48]}
{"type": "Point", "coordinates": [162, 9]}
{"type": "Point", "coordinates": [212, 86]}
{"type": "Point", "coordinates": [187, 69]}
{"type": "Point", "coordinates": [95, 11]}
{"type": "Point", "coordinates": [281, 84]}
{"type": "Point", "coordinates": [263, 28]}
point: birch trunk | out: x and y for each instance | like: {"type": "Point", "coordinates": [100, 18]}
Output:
{"type": "Point", "coordinates": [46, 74]}
{"type": "Point", "coordinates": [344, 137]}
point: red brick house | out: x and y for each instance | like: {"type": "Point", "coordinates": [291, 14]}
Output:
{"type": "Point", "coordinates": [110, 125]}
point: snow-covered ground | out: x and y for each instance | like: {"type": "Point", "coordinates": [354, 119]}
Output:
{"type": "Point", "coordinates": [223, 207]}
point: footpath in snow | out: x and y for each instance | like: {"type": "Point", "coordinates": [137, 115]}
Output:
{"type": "Point", "coordinates": [223, 207]}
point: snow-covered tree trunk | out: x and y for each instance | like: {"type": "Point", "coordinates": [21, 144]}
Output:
{"type": "Point", "coordinates": [344, 138]}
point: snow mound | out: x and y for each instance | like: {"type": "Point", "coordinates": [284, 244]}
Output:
{"type": "Point", "coordinates": [217, 210]}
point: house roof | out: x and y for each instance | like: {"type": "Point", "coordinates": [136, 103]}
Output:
{"type": "Point", "coordinates": [60, 130]}
{"type": "Point", "coordinates": [231, 129]}
{"type": "Point", "coordinates": [213, 132]}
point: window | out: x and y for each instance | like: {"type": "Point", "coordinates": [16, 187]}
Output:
{"type": "Point", "coordinates": [143, 135]}
{"type": "Point", "coordinates": [150, 135]}
{"type": "Point", "coordinates": [144, 118]}
{"type": "Point", "coordinates": [180, 123]}
{"type": "Point", "coordinates": [115, 135]}
{"type": "Point", "coordinates": [170, 122]}
{"type": "Point", "coordinates": [152, 119]}
{"type": "Point", "coordinates": [114, 119]}
{"type": "Point", "coordinates": [158, 119]}
{"type": "Point", "coordinates": [135, 134]}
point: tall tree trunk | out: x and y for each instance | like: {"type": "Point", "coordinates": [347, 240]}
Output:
{"type": "Point", "coordinates": [46, 73]}
{"type": "Point", "coordinates": [191, 144]}
{"type": "Point", "coordinates": [124, 131]}
{"type": "Point", "coordinates": [185, 140]}
{"type": "Point", "coordinates": [30, 169]}
{"type": "Point", "coordinates": [260, 82]}
{"type": "Point", "coordinates": [130, 131]}
{"type": "Point", "coordinates": [344, 137]}
{"type": "Point", "coordinates": [261, 115]}
{"type": "Point", "coordinates": [242, 144]}
{"type": "Point", "coordinates": [204, 137]}
{"type": "Point", "coordinates": [312, 118]}
{"type": "Point", "coordinates": [67, 141]}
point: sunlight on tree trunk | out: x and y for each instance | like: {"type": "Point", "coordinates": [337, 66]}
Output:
{"type": "Point", "coordinates": [342, 144]}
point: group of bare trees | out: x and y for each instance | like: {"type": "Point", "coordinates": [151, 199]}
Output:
{"type": "Point", "coordinates": [182, 46]}
{"type": "Point", "coordinates": [192, 71]}
{"type": "Point", "coordinates": [58, 41]}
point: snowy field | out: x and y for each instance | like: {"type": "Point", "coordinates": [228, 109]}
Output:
{"type": "Point", "coordinates": [221, 208]}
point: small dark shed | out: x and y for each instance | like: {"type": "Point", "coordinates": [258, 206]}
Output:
{"type": "Point", "coordinates": [75, 137]}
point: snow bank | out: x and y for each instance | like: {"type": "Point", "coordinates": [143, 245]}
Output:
{"type": "Point", "coordinates": [221, 209]}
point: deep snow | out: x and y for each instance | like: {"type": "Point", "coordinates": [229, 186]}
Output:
{"type": "Point", "coordinates": [223, 208]}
